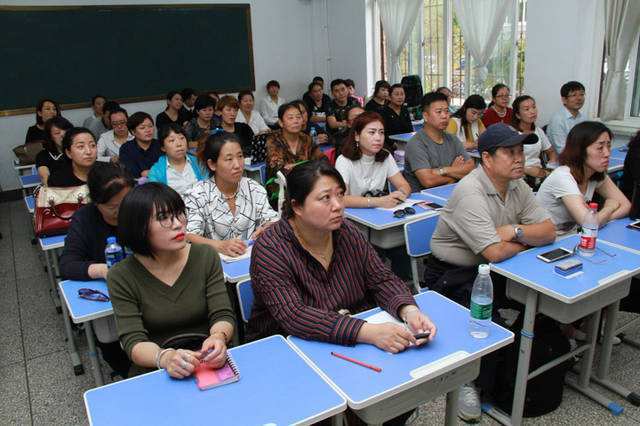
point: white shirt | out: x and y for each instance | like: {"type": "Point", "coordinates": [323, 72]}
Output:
{"type": "Point", "coordinates": [182, 181]}
{"type": "Point", "coordinates": [108, 147]}
{"type": "Point", "coordinates": [366, 174]}
{"type": "Point", "coordinates": [475, 129]}
{"type": "Point", "coordinates": [559, 126]}
{"type": "Point", "coordinates": [256, 122]}
{"type": "Point", "coordinates": [557, 185]}
{"type": "Point", "coordinates": [532, 151]}
{"type": "Point", "coordinates": [269, 109]}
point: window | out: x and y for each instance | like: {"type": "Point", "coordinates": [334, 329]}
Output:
{"type": "Point", "coordinates": [437, 53]}
{"type": "Point", "coordinates": [634, 88]}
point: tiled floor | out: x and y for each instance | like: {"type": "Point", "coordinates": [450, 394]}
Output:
{"type": "Point", "coordinates": [37, 384]}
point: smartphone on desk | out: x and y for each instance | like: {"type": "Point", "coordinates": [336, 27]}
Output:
{"type": "Point", "coordinates": [429, 205]}
{"type": "Point", "coordinates": [553, 255]}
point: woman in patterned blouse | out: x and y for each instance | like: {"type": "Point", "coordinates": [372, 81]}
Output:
{"type": "Point", "coordinates": [226, 210]}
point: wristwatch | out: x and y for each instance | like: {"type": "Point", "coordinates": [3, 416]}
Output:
{"type": "Point", "coordinates": [441, 171]}
{"type": "Point", "coordinates": [519, 232]}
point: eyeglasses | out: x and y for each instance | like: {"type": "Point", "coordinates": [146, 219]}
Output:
{"type": "Point", "coordinates": [375, 193]}
{"type": "Point", "coordinates": [94, 295]}
{"type": "Point", "coordinates": [407, 211]}
{"type": "Point", "coordinates": [166, 221]}
{"type": "Point", "coordinates": [118, 123]}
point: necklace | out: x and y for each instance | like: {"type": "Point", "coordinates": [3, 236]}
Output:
{"type": "Point", "coordinates": [325, 256]}
{"type": "Point", "coordinates": [500, 114]}
{"type": "Point", "coordinates": [229, 197]}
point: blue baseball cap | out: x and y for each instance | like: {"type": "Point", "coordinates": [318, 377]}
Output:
{"type": "Point", "coordinates": [501, 135]}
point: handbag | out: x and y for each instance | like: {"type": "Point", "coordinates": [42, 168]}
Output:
{"type": "Point", "coordinates": [26, 154]}
{"type": "Point", "coordinates": [55, 207]}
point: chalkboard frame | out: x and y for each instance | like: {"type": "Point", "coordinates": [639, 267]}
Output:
{"type": "Point", "coordinates": [70, 106]}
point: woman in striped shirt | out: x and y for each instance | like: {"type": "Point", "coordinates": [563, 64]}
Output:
{"type": "Point", "coordinates": [312, 268]}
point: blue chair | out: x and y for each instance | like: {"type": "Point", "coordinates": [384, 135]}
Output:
{"type": "Point", "coordinates": [417, 237]}
{"type": "Point", "coordinates": [244, 289]}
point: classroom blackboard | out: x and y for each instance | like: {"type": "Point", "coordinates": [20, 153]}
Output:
{"type": "Point", "coordinates": [127, 53]}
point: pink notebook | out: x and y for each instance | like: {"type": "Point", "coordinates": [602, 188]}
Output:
{"type": "Point", "coordinates": [207, 377]}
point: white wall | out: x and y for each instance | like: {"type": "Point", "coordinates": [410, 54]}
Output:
{"type": "Point", "coordinates": [285, 35]}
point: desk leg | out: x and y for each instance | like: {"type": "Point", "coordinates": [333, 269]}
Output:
{"type": "Point", "coordinates": [93, 354]}
{"type": "Point", "coordinates": [78, 369]}
{"type": "Point", "coordinates": [451, 413]}
{"type": "Point", "coordinates": [52, 280]}
{"type": "Point", "coordinates": [337, 420]}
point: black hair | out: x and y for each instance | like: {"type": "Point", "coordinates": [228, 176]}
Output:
{"type": "Point", "coordinates": [204, 101]}
{"type": "Point", "coordinates": [301, 180]}
{"type": "Point", "coordinates": [110, 106]}
{"type": "Point", "coordinates": [570, 86]}
{"type": "Point", "coordinates": [172, 93]}
{"type": "Point", "coordinates": [72, 133]}
{"type": "Point", "coordinates": [381, 84]}
{"type": "Point", "coordinates": [574, 154]}
{"type": "Point", "coordinates": [495, 89]}
{"type": "Point", "coordinates": [313, 83]}
{"type": "Point", "coordinates": [473, 101]}
{"type": "Point", "coordinates": [106, 180]}
{"type": "Point", "coordinates": [318, 78]}
{"type": "Point", "coordinates": [300, 104]}
{"type": "Point", "coordinates": [137, 209]}
{"type": "Point", "coordinates": [515, 121]}
{"type": "Point", "coordinates": [350, 83]}
{"type": "Point", "coordinates": [395, 86]}
{"type": "Point", "coordinates": [273, 83]}
{"type": "Point", "coordinates": [187, 92]}
{"type": "Point", "coordinates": [118, 110]}
{"type": "Point", "coordinates": [244, 93]}
{"type": "Point", "coordinates": [59, 122]}
{"type": "Point", "coordinates": [94, 98]}
{"type": "Point", "coordinates": [432, 97]}
{"type": "Point", "coordinates": [136, 119]}
{"type": "Point", "coordinates": [337, 82]}
{"type": "Point", "coordinates": [213, 145]}
{"type": "Point", "coordinates": [40, 105]}
{"type": "Point", "coordinates": [491, 151]}
{"type": "Point", "coordinates": [167, 129]}
{"type": "Point", "coordinates": [282, 109]}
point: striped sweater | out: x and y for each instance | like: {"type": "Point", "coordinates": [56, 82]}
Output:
{"type": "Point", "coordinates": [295, 295]}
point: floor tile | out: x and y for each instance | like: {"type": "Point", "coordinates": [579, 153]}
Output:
{"type": "Point", "coordinates": [14, 409]}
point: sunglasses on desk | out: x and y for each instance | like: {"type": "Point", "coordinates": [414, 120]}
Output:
{"type": "Point", "coordinates": [91, 294]}
{"type": "Point", "coordinates": [407, 211]}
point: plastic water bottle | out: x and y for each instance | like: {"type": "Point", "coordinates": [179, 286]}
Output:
{"type": "Point", "coordinates": [481, 303]}
{"type": "Point", "coordinates": [589, 232]}
{"type": "Point", "coordinates": [113, 253]}
{"type": "Point", "coordinates": [314, 135]}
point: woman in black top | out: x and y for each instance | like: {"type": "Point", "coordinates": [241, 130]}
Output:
{"type": "Point", "coordinates": [228, 106]}
{"type": "Point", "coordinates": [45, 110]}
{"type": "Point", "coordinates": [631, 173]}
{"type": "Point", "coordinates": [204, 120]}
{"type": "Point", "coordinates": [52, 157]}
{"type": "Point", "coordinates": [396, 115]}
{"type": "Point", "coordinates": [174, 113]}
{"type": "Point", "coordinates": [81, 150]}
{"type": "Point", "coordinates": [380, 97]}
{"type": "Point", "coordinates": [83, 256]}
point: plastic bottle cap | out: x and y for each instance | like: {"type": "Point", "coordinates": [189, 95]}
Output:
{"type": "Point", "coordinates": [111, 240]}
{"type": "Point", "coordinates": [484, 269]}
{"type": "Point", "coordinates": [593, 206]}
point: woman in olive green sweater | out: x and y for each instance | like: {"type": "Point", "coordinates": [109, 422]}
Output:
{"type": "Point", "coordinates": [168, 287]}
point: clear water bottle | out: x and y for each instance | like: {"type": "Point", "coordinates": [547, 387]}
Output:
{"type": "Point", "coordinates": [314, 135]}
{"type": "Point", "coordinates": [113, 253]}
{"type": "Point", "coordinates": [481, 303]}
{"type": "Point", "coordinates": [589, 232]}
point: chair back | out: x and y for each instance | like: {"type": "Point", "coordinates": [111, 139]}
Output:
{"type": "Point", "coordinates": [417, 235]}
{"type": "Point", "coordinates": [244, 290]}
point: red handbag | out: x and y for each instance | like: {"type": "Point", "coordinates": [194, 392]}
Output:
{"type": "Point", "coordinates": [55, 207]}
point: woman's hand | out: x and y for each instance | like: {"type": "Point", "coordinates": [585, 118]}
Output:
{"type": "Point", "coordinates": [260, 230]}
{"type": "Point", "coordinates": [180, 363]}
{"type": "Point", "coordinates": [233, 248]}
{"type": "Point", "coordinates": [418, 322]}
{"type": "Point", "coordinates": [388, 336]}
{"type": "Point", "coordinates": [214, 351]}
{"type": "Point", "coordinates": [322, 138]}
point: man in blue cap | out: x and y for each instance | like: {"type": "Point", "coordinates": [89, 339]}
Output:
{"type": "Point", "coordinates": [491, 216]}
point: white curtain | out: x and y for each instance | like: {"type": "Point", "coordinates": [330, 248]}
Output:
{"type": "Point", "coordinates": [481, 22]}
{"type": "Point", "coordinates": [398, 19]}
{"type": "Point", "coordinates": [622, 22]}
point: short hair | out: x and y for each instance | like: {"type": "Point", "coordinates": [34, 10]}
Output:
{"type": "Point", "coordinates": [337, 82]}
{"type": "Point", "coordinates": [59, 122]}
{"type": "Point", "coordinates": [172, 93]}
{"type": "Point", "coordinates": [432, 97]}
{"type": "Point", "coordinates": [395, 86]}
{"type": "Point", "coordinates": [300, 104]}
{"type": "Point", "coordinates": [40, 105]}
{"type": "Point", "coordinates": [442, 88]}
{"type": "Point", "coordinates": [350, 148]}
{"type": "Point", "coordinates": [570, 86]}
{"type": "Point", "coordinates": [273, 83]}
{"type": "Point", "coordinates": [350, 83]}
{"type": "Point", "coordinates": [187, 92]}
{"type": "Point", "coordinates": [574, 154]}
{"type": "Point", "coordinates": [134, 216]}
{"type": "Point", "coordinates": [312, 85]}
{"type": "Point", "coordinates": [167, 129]}
{"type": "Point", "coordinates": [94, 98]}
{"type": "Point", "coordinates": [67, 141]}
{"type": "Point", "coordinates": [496, 88]}
{"type": "Point", "coordinates": [317, 78]}
{"type": "Point", "coordinates": [110, 106]}
{"type": "Point", "coordinates": [136, 119]}
{"type": "Point", "coordinates": [244, 93]}
{"type": "Point", "coordinates": [106, 180]}
{"type": "Point", "coordinates": [380, 84]}
{"type": "Point", "coordinates": [117, 111]}
{"type": "Point", "coordinates": [204, 101]}
{"type": "Point", "coordinates": [213, 145]}
{"type": "Point", "coordinates": [515, 121]}
{"type": "Point", "coordinates": [228, 101]}
{"type": "Point", "coordinates": [301, 180]}
{"type": "Point", "coordinates": [282, 109]}
{"type": "Point", "coordinates": [473, 101]}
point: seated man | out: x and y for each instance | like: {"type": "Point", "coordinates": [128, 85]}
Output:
{"type": "Point", "coordinates": [432, 156]}
{"type": "Point", "coordinates": [491, 216]}
{"type": "Point", "coordinates": [572, 96]}
{"type": "Point", "coordinates": [338, 110]}
{"type": "Point", "coordinates": [94, 121]}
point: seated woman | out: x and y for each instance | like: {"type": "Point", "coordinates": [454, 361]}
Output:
{"type": "Point", "coordinates": [631, 173]}
{"type": "Point", "coordinates": [228, 106]}
{"type": "Point", "coordinates": [498, 110]}
{"type": "Point", "coordinates": [313, 268]}
{"type": "Point", "coordinates": [80, 148]}
{"type": "Point", "coordinates": [227, 209]}
{"type": "Point", "coordinates": [167, 288]}
{"type": "Point", "coordinates": [525, 114]}
{"type": "Point", "coordinates": [466, 123]}
{"type": "Point", "coordinates": [83, 256]}
{"type": "Point", "coordinates": [173, 114]}
{"type": "Point", "coordinates": [139, 154]}
{"type": "Point", "coordinates": [380, 97]}
{"type": "Point", "coordinates": [321, 135]}
{"type": "Point", "coordinates": [52, 158]}
{"type": "Point", "coordinates": [110, 141]}
{"type": "Point", "coordinates": [204, 122]}
{"type": "Point", "coordinates": [351, 86]}
{"type": "Point", "coordinates": [582, 172]}
{"type": "Point", "coordinates": [395, 115]}
{"type": "Point", "coordinates": [176, 167]}
{"type": "Point", "coordinates": [248, 115]}
{"type": "Point", "coordinates": [45, 110]}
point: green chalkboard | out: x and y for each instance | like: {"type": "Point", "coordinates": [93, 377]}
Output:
{"type": "Point", "coordinates": [127, 53]}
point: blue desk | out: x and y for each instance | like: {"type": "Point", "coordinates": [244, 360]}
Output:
{"type": "Point", "coordinates": [402, 137]}
{"type": "Point", "coordinates": [276, 387]}
{"type": "Point", "coordinates": [616, 232]}
{"type": "Point", "coordinates": [260, 168]}
{"type": "Point", "coordinates": [414, 376]}
{"type": "Point", "coordinates": [84, 311]}
{"type": "Point", "coordinates": [604, 281]}
{"type": "Point", "coordinates": [443, 192]}
{"type": "Point", "coordinates": [615, 164]}
{"type": "Point", "coordinates": [620, 152]}
{"type": "Point", "coordinates": [30, 202]}
{"type": "Point", "coordinates": [29, 181]}
{"type": "Point", "coordinates": [236, 271]}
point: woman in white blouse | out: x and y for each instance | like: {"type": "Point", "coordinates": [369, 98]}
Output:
{"type": "Point", "coordinates": [226, 211]}
{"type": "Point", "coordinates": [248, 116]}
{"type": "Point", "coordinates": [110, 142]}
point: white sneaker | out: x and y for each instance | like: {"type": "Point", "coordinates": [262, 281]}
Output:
{"type": "Point", "coordinates": [469, 404]}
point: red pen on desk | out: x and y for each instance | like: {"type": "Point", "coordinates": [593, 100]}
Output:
{"type": "Point", "coordinates": [355, 361]}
